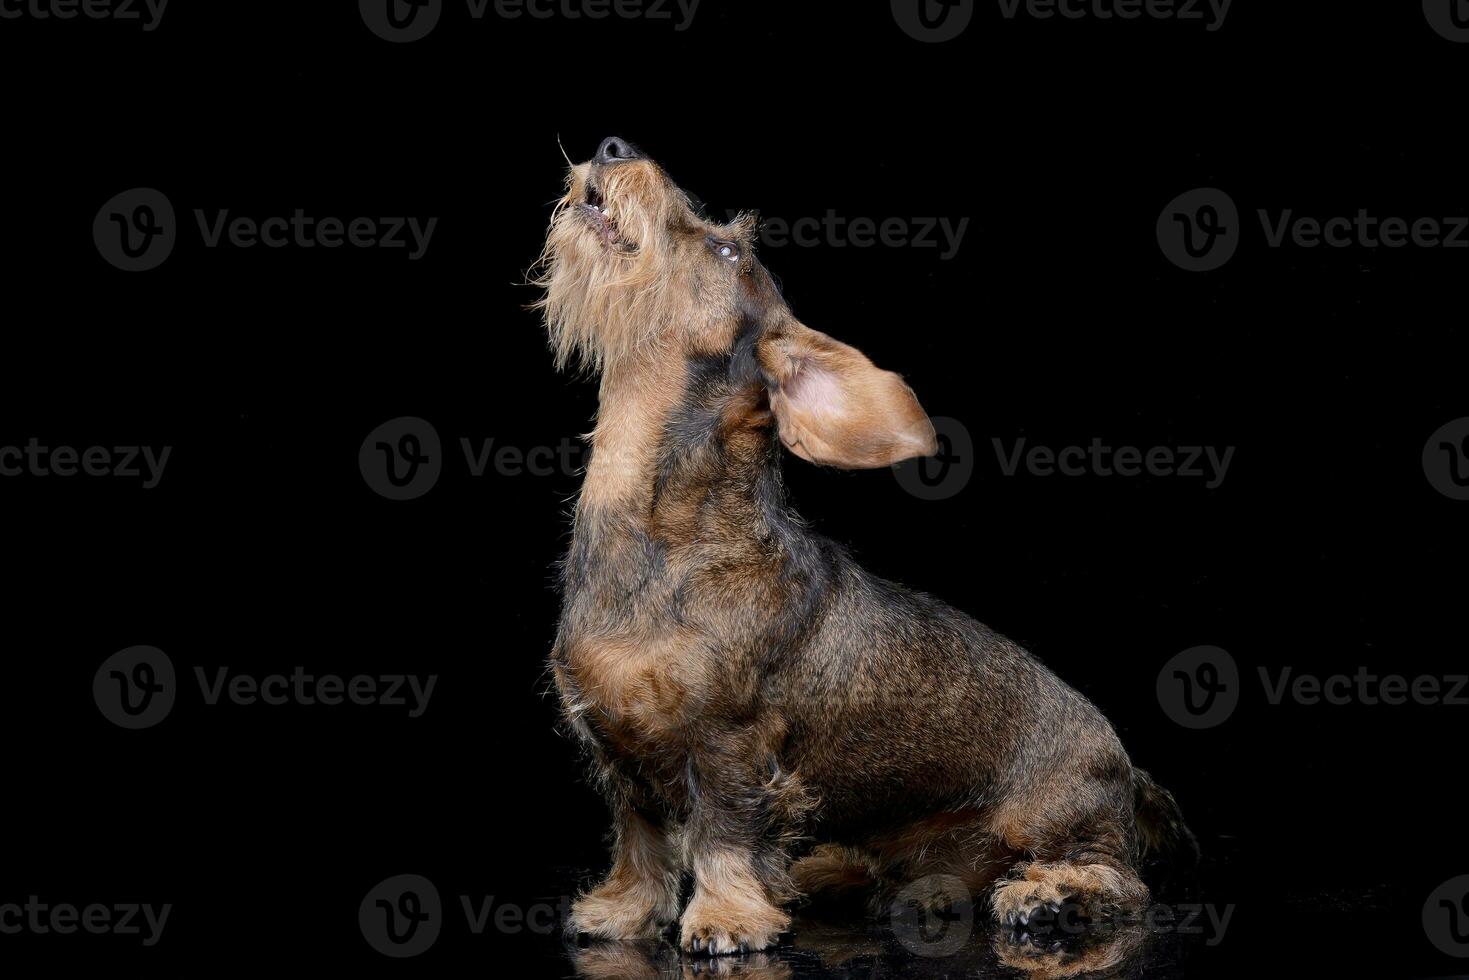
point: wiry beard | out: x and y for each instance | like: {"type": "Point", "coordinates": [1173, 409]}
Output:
{"type": "Point", "coordinates": [607, 301]}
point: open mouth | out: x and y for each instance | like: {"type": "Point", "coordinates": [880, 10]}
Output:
{"type": "Point", "coordinates": [594, 209]}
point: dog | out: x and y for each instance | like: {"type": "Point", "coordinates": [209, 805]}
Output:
{"type": "Point", "coordinates": [762, 714]}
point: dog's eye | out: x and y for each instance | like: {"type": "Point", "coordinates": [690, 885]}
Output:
{"type": "Point", "coordinates": [724, 249]}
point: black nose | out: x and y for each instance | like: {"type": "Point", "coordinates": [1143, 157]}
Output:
{"type": "Point", "coordinates": [614, 150]}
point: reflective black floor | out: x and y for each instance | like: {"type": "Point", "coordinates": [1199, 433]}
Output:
{"type": "Point", "coordinates": [959, 948]}
{"type": "Point", "coordinates": [1228, 921]}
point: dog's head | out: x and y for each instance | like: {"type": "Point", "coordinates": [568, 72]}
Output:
{"type": "Point", "coordinates": [633, 277]}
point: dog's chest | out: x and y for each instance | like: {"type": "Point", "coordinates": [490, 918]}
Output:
{"type": "Point", "coordinates": [633, 693]}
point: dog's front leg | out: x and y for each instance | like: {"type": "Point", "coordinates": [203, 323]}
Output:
{"type": "Point", "coordinates": [741, 871]}
{"type": "Point", "coordinates": [731, 911]}
{"type": "Point", "coordinates": [640, 895]}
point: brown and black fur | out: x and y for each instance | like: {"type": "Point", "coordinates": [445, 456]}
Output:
{"type": "Point", "coordinates": [762, 713]}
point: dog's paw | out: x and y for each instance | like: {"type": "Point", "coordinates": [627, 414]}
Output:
{"type": "Point", "coordinates": [1085, 890]}
{"type": "Point", "coordinates": [716, 940]}
{"type": "Point", "coordinates": [1017, 902]}
{"type": "Point", "coordinates": [621, 914]}
{"type": "Point", "coordinates": [713, 928]}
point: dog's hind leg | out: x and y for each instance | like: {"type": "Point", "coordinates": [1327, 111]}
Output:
{"type": "Point", "coordinates": [834, 875]}
{"type": "Point", "coordinates": [950, 854]}
{"type": "Point", "coordinates": [1082, 845]}
{"type": "Point", "coordinates": [936, 860]}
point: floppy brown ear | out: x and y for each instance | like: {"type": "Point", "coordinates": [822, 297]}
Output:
{"type": "Point", "coordinates": [836, 407]}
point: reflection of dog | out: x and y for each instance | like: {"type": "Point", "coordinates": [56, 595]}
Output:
{"type": "Point", "coordinates": [1108, 952]}
{"type": "Point", "coordinates": [643, 961]}
{"type": "Point", "coordinates": [741, 683]}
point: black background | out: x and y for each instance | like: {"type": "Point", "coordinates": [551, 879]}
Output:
{"type": "Point", "coordinates": [1059, 320]}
